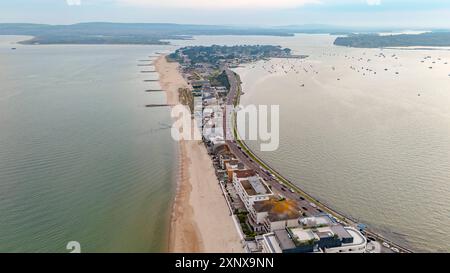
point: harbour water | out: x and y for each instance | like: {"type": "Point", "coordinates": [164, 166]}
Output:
{"type": "Point", "coordinates": [81, 158]}
{"type": "Point", "coordinates": [365, 131]}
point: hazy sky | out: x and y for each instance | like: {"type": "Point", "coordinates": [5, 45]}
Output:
{"type": "Point", "coordinates": [402, 13]}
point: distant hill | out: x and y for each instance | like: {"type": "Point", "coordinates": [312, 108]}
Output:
{"type": "Point", "coordinates": [155, 33]}
{"type": "Point", "coordinates": [121, 33]}
{"type": "Point", "coordinates": [434, 39]}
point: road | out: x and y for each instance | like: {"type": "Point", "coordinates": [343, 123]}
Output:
{"type": "Point", "coordinates": [307, 207]}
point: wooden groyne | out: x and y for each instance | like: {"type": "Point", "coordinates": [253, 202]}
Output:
{"type": "Point", "coordinates": [158, 105]}
{"type": "Point", "coordinates": [151, 80]}
{"type": "Point", "coordinates": [296, 57]}
{"type": "Point", "coordinates": [148, 71]}
{"type": "Point", "coordinates": [154, 90]}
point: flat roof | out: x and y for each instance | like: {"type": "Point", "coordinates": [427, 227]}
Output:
{"type": "Point", "coordinates": [284, 240]}
{"type": "Point", "coordinates": [254, 186]}
{"type": "Point", "coordinates": [324, 232]}
{"type": "Point", "coordinates": [358, 239]}
{"type": "Point", "coordinates": [272, 243]}
{"type": "Point", "coordinates": [278, 209]}
{"type": "Point", "coordinates": [340, 231]}
{"type": "Point", "coordinates": [315, 221]}
{"type": "Point", "coordinates": [258, 185]}
{"type": "Point", "coordinates": [244, 173]}
{"type": "Point", "coordinates": [303, 235]}
{"type": "Point", "coordinates": [232, 162]}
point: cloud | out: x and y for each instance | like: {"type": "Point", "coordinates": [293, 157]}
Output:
{"type": "Point", "coordinates": [220, 4]}
{"type": "Point", "coordinates": [373, 2]}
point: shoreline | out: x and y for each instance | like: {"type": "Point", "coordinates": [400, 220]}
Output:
{"type": "Point", "coordinates": [199, 210]}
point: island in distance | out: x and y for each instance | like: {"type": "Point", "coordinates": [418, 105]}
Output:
{"type": "Point", "coordinates": [428, 39]}
{"type": "Point", "coordinates": [159, 34]}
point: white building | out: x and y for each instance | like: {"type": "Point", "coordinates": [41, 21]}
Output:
{"type": "Point", "coordinates": [250, 187]}
{"type": "Point", "coordinates": [358, 245]}
{"type": "Point", "coordinates": [272, 214]}
{"type": "Point", "coordinates": [329, 237]}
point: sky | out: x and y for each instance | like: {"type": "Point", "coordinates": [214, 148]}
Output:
{"type": "Point", "coordinates": [411, 14]}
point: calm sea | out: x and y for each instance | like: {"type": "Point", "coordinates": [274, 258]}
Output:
{"type": "Point", "coordinates": [81, 158]}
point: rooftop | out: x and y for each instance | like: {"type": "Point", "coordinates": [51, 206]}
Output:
{"type": "Point", "coordinates": [324, 232]}
{"type": "Point", "coordinates": [315, 240]}
{"type": "Point", "coordinates": [278, 210]}
{"type": "Point", "coordinates": [273, 243]}
{"type": "Point", "coordinates": [254, 185]}
{"type": "Point", "coordinates": [284, 240]}
{"type": "Point", "coordinates": [316, 221]}
{"type": "Point", "coordinates": [358, 239]}
{"type": "Point", "coordinates": [304, 235]}
{"type": "Point", "coordinates": [342, 232]}
{"type": "Point", "coordinates": [232, 163]}
{"type": "Point", "coordinates": [244, 173]}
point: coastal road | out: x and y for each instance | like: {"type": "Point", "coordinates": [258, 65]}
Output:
{"type": "Point", "coordinates": [307, 207]}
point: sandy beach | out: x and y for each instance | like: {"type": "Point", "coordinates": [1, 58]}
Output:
{"type": "Point", "coordinates": [201, 221]}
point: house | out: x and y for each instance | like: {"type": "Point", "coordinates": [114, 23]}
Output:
{"type": "Point", "coordinates": [250, 187]}
{"type": "Point", "coordinates": [225, 157]}
{"type": "Point", "coordinates": [235, 165]}
{"type": "Point", "coordinates": [328, 237]}
{"type": "Point", "coordinates": [273, 214]}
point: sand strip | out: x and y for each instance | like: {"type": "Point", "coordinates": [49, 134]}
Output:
{"type": "Point", "coordinates": [201, 221]}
